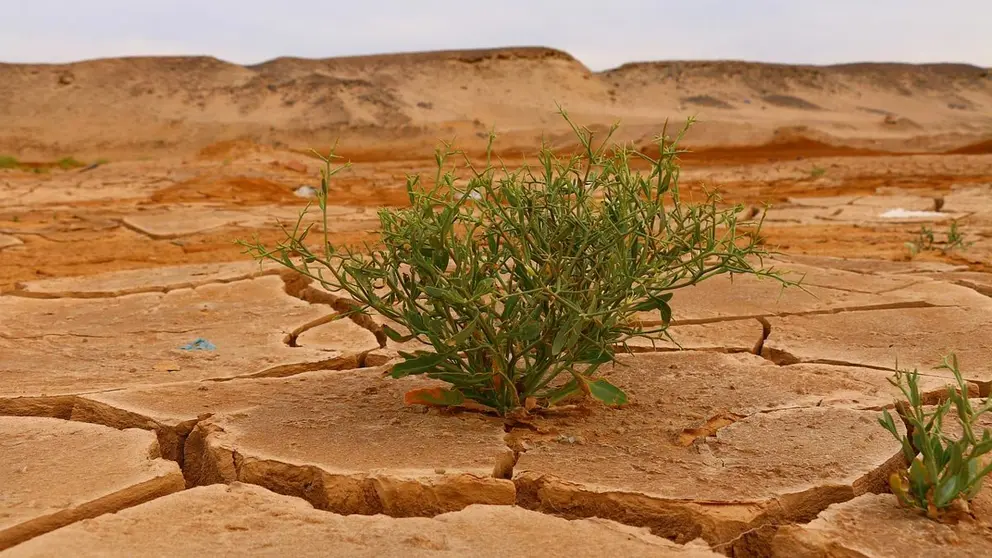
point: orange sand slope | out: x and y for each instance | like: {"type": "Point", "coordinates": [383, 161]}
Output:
{"type": "Point", "coordinates": [392, 107]}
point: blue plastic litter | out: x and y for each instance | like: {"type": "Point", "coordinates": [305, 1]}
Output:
{"type": "Point", "coordinates": [200, 344]}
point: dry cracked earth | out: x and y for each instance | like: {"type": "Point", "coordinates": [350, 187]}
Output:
{"type": "Point", "coordinates": [122, 437]}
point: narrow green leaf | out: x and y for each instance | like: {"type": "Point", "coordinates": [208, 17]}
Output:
{"type": "Point", "coordinates": [888, 423]}
{"type": "Point", "coordinates": [446, 295]}
{"type": "Point", "coordinates": [530, 331]}
{"type": "Point", "coordinates": [947, 490]}
{"type": "Point", "coordinates": [651, 303]}
{"type": "Point", "coordinates": [594, 355]}
{"type": "Point", "coordinates": [394, 335]}
{"type": "Point", "coordinates": [416, 321]}
{"type": "Point", "coordinates": [510, 305]}
{"type": "Point", "coordinates": [606, 392]}
{"type": "Point", "coordinates": [918, 479]}
{"type": "Point", "coordinates": [560, 340]}
{"type": "Point", "coordinates": [462, 335]}
{"type": "Point", "coordinates": [425, 362]}
{"type": "Point", "coordinates": [666, 312]}
{"type": "Point", "coordinates": [556, 395]}
{"type": "Point", "coordinates": [440, 260]}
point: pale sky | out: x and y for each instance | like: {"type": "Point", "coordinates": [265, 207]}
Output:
{"type": "Point", "coordinates": [600, 33]}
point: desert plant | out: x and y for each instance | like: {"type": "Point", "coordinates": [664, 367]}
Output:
{"type": "Point", "coordinates": [817, 172]}
{"type": "Point", "coordinates": [67, 163]}
{"type": "Point", "coordinates": [955, 238]}
{"type": "Point", "coordinates": [926, 241]}
{"type": "Point", "coordinates": [922, 242]}
{"type": "Point", "coordinates": [524, 282]}
{"type": "Point", "coordinates": [8, 162]}
{"type": "Point", "coordinates": [941, 469]}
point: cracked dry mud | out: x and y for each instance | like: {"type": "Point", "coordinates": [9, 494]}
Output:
{"type": "Point", "coordinates": [759, 438]}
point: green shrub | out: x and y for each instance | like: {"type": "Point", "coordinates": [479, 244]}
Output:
{"type": "Point", "coordinates": [8, 162]}
{"type": "Point", "coordinates": [817, 172]}
{"type": "Point", "coordinates": [942, 469]}
{"type": "Point", "coordinates": [524, 282]}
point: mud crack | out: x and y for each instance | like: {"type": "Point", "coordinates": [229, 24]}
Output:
{"type": "Point", "coordinates": [20, 290]}
{"type": "Point", "coordinates": [865, 308]}
{"type": "Point", "coordinates": [211, 458]}
{"type": "Point", "coordinates": [299, 286]}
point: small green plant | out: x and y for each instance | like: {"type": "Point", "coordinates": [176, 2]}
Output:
{"type": "Point", "coordinates": [955, 239]}
{"type": "Point", "coordinates": [67, 163]}
{"type": "Point", "coordinates": [942, 469]}
{"type": "Point", "coordinates": [923, 242]}
{"type": "Point", "coordinates": [926, 241]}
{"type": "Point", "coordinates": [524, 282]}
{"type": "Point", "coordinates": [8, 162]}
{"type": "Point", "coordinates": [817, 172]}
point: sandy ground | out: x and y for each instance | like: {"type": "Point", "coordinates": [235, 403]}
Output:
{"type": "Point", "coordinates": [759, 439]}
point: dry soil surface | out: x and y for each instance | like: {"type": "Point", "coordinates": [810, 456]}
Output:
{"type": "Point", "coordinates": [162, 393]}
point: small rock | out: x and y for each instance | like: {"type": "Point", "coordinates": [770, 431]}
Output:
{"type": "Point", "coordinates": [305, 192]}
{"type": "Point", "coordinates": [167, 367]}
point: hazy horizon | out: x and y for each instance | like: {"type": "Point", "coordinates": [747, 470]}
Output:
{"type": "Point", "coordinates": [250, 32]}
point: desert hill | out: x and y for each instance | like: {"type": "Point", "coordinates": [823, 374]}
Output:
{"type": "Point", "coordinates": [392, 105]}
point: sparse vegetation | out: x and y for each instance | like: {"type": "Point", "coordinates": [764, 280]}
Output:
{"type": "Point", "coordinates": [524, 282]}
{"type": "Point", "coordinates": [942, 469]}
{"type": "Point", "coordinates": [817, 172]}
{"type": "Point", "coordinates": [925, 241]}
{"type": "Point", "coordinates": [67, 163]}
{"type": "Point", "coordinates": [955, 238]}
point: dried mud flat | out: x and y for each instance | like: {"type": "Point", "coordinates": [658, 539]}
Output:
{"type": "Point", "coordinates": [759, 438]}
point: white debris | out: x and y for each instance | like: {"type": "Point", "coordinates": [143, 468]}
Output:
{"type": "Point", "coordinates": [306, 192]}
{"type": "Point", "coordinates": [900, 213]}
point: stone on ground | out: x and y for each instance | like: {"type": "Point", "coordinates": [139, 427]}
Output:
{"type": "Point", "coordinates": [55, 472]}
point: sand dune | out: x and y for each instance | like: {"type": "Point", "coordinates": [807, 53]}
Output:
{"type": "Point", "coordinates": [399, 105]}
